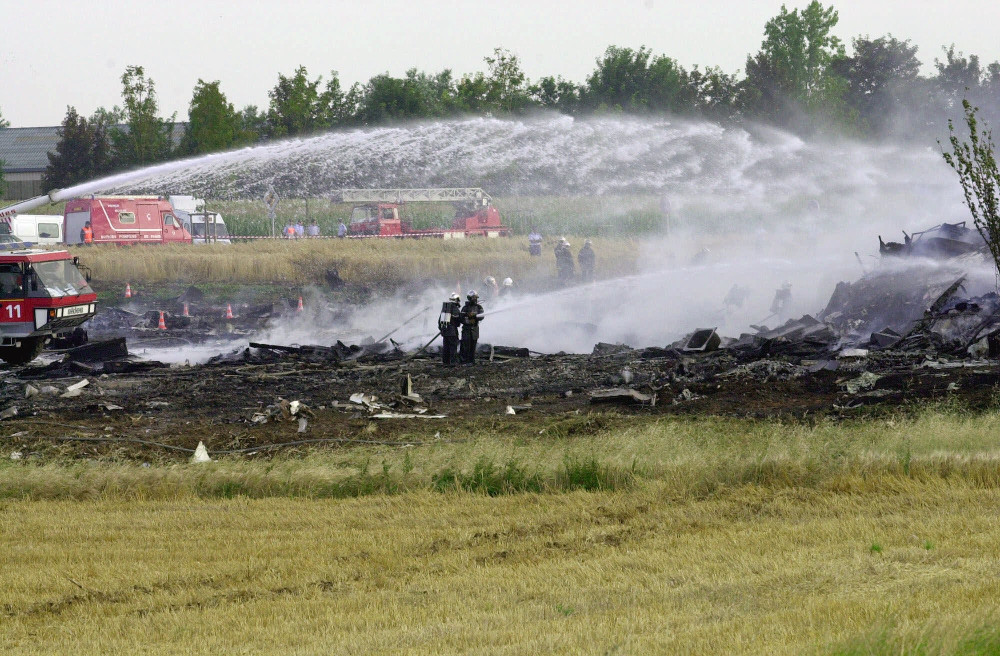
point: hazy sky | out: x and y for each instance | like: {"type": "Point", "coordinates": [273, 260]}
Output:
{"type": "Point", "coordinates": [59, 53]}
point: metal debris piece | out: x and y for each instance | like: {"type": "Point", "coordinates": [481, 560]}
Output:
{"type": "Point", "coordinates": [619, 395]}
{"type": "Point", "coordinates": [368, 400]}
{"type": "Point", "coordinates": [402, 415]}
{"type": "Point", "coordinates": [30, 391]}
{"type": "Point", "coordinates": [703, 340]}
{"type": "Point", "coordinates": [406, 390]}
{"type": "Point", "coordinates": [885, 338]}
{"type": "Point", "coordinates": [865, 381]}
{"type": "Point", "coordinates": [111, 349]}
{"type": "Point", "coordinates": [853, 353]}
{"type": "Point", "coordinates": [78, 385]}
{"type": "Point", "coordinates": [8, 412]}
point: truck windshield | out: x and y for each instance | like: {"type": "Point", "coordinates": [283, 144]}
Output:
{"type": "Point", "coordinates": [61, 278]}
{"type": "Point", "coordinates": [198, 230]}
{"type": "Point", "coordinates": [362, 214]}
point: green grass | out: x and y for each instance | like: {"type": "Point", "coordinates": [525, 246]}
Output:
{"type": "Point", "coordinates": [692, 459]}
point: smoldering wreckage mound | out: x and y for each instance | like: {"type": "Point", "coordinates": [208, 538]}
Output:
{"type": "Point", "coordinates": [907, 333]}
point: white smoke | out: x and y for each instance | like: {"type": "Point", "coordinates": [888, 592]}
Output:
{"type": "Point", "coordinates": [762, 207]}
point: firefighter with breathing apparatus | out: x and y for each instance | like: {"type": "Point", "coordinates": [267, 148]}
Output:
{"type": "Point", "coordinates": [448, 322]}
{"type": "Point", "coordinates": [472, 314]}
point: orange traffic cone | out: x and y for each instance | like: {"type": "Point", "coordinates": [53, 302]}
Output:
{"type": "Point", "coordinates": [299, 308]}
{"type": "Point", "coordinates": [163, 324]}
{"type": "Point", "coordinates": [186, 313]}
{"type": "Point", "coordinates": [128, 290]}
{"type": "Point", "coordinates": [229, 311]}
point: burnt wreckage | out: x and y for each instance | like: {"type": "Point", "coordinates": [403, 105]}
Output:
{"type": "Point", "coordinates": [915, 328]}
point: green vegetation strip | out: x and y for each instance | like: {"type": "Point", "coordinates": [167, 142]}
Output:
{"type": "Point", "coordinates": [689, 458]}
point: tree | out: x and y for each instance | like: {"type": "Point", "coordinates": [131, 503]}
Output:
{"type": "Point", "coordinates": [418, 95]}
{"type": "Point", "coordinates": [620, 80]}
{"type": "Point", "coordinates": [715, 92]}
{"type": "Point", "coordinates": [879, 77]}
{"type": "Point", "coordinates": [635, 80]}
{"type": "Point", "coordinates": [71, 163]}
{"type": "Point", "coordinates": [556, 93]}
{"type": "Point", "coordinates": [506, 81]}
{"type": "Point", "coordinates": [147, 138]}
{"type": "Point", "coordinates": [252, 124]}
{"type": "Point", "coordinates": [296, 106]}
{"type": "Point", "coordinates": [340, 108]}
{"type": "Point", "coordinates": [213, 123]}
{"type": "Point", "coordinates": [976, 165]}
{"type": "Point", "coordinates": [83, 151]}
{"type": "Point", "coordinates": [790, 72]}
{"type": "Point", "coordinates": [471, 93]}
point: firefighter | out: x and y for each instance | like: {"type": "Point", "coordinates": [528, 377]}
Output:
{"type": "Point", "coordinates": [782, 299]}
{"type": "Point", "coordinates": [535, 243]}
{"type": "Point", "coordinates": [735, 297]}
{"type": "Point", "coordinates": [506, 288]}
{"type": "Point", "coordinates": [564, 261]}
{"type": "Point", "coordinates": [341, 230]}
{"type": "Point", "coordinates": [449, 321]}
{"type": "Point", "coordinates": [87, 234]}
{"type": "Point", "coordinates": [10, 280]}
{"type": "Point", "coordinates": [472, 314]}
{"type": "Point", "coordinates": [586, 258]}
{"type": "Point", "coordinates": [492, 291]}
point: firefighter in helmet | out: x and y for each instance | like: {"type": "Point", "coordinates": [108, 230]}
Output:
{"type": "Point", "coordinates": [564, 261]}
{"type": "Point", "coordinates": [507, 288]}
{"type": "Point", "coordinates": [492, 290]}
{"type": "Point", "coordinates": [449, 321]}
{"type": "Point", "coordinates": [472, 314]}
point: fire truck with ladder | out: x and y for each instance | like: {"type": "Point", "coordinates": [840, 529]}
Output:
{"type": "Point", "coordinates": [377, 213]}
{"type": "Point", "coordinates": [43, 294]}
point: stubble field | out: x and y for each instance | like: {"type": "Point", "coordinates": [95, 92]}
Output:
{"type": "Point", "coordinates": [663, 536]}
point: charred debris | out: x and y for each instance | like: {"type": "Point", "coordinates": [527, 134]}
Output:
{"type": "Point", "coordinates": [909, 330]}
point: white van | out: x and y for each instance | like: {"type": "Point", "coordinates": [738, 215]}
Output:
{"type": "Point", "coordinates": [37, 229]}
{"type": "Point", "coordinates": [191, 212]}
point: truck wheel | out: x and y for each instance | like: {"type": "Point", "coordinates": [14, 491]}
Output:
{"type": "Point", "coordinates": [28, 350]}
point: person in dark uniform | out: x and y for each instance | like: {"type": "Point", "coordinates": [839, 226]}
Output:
{"type": "Point", "coordinates": [448, 322]}
{"type": "Point", "coordinates": [586, 260]}
{"type": "Point", "coordinates": [564, 261]}
{"type": "Point", "coordinates": [782, 299]}
{"type": "Point", "coordinates": [472, 314]}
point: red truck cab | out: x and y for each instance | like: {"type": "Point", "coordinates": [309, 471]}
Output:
{"type": "Point", "coordinates": [123, 220]}
{"type": "Point", "coordinates": [380, 219]}
{"type": "Point", "coordinates": [481, 220]}
{"type": "Point", "coordinates": [42, 294]}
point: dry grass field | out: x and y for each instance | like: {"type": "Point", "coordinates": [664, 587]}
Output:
{"type": "Point", "coordinates": [613, 536]}
{"type": "Point", "coordinates": [366, 261]}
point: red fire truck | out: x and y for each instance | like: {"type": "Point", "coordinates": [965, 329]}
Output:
{"type": "Point", "coordinates": [124, 220]}
{"type": "Point", "coordinates": [377, 214]}
{"type": "Point", "coordinates": [43, 294]}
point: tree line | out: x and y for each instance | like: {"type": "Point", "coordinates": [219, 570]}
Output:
{"type": "Point", "coordinates": [801, 79]}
